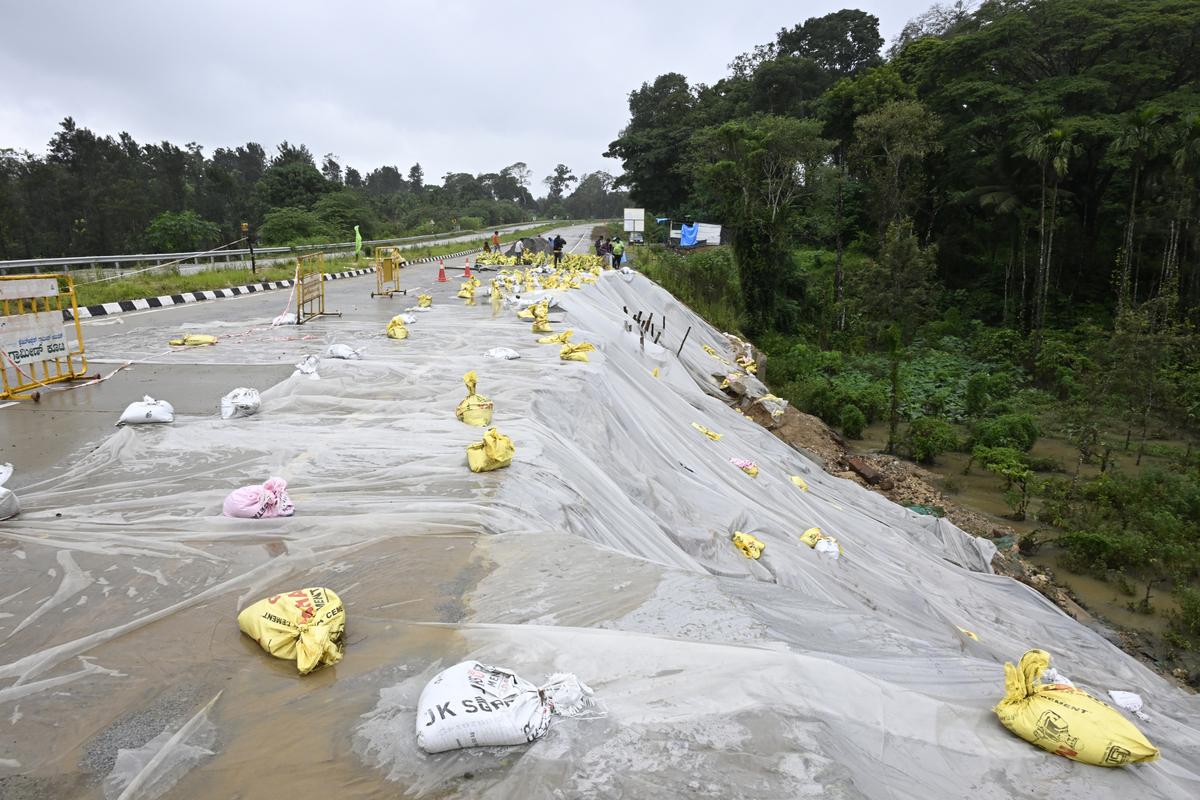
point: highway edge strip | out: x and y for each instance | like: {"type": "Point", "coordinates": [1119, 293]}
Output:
{"type": "Point", "coordinates": [144, 303]}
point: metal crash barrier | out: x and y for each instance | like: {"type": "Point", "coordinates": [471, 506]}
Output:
{"type": "Point", "coordinates": [388, 262]}
{"type": "Point", "coordinates": [310, 288]}
{"type": "Point", "coordinates": [35, 349]}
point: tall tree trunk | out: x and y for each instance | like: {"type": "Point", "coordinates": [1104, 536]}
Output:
{"type": "Point", "coordinates": [1124, 299]}
{"type": "Point", "coordinates": [894, 403]}
{"type": "Point", "coordinates": [839, 300]}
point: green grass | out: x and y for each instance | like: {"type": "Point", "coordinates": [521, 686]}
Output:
{"type": "Point", "coordinates": [167, 282]}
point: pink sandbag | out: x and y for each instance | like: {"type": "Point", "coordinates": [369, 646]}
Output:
{"type": "Point", "coordinates": [260, 502]}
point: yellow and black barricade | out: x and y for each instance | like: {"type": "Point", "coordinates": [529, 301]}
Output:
{"type": "Point", "coordinates": [35, 344]}
{"type": "Point", "coordinates": [388, 262]}
{"type": "Point", "coordinates": [310, 288]}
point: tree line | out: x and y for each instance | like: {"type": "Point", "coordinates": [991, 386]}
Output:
{"type": "Point", "coordinates": [988, 232]}
{"type": "Point", "coordinates": [91, 195]}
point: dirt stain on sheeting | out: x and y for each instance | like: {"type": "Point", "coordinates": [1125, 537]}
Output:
{"type": "Point", "coordinates": [268, 713]}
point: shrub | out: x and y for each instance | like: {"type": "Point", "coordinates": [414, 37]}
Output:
{"type": "Point", "coordinates": [853, 421]}
{"type": "Point", "coordinates": [928, 437]}
{"type": "Point", "coordinates": [289, 225]}
{"type": "Point", "coordinates": [173, 232]}
{"type": "Point", "coordinates": [1018, 431]}
{"type": "Point", "coordinates": [977, 396]}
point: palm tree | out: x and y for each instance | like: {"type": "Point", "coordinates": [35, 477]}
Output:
{"type": "Point", "coordinates": [1139, 139]}
{"type": "Point", "coordinates": [1044, 141]}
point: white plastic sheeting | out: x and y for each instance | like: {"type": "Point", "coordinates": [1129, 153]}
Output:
{"type": "Point", "coordinates": [602, 551]}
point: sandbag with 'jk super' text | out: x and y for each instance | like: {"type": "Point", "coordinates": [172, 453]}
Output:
{"type": "Point", "coordinates": [475, 705]}
{"type": "Point", "coordinates": [307, 625]}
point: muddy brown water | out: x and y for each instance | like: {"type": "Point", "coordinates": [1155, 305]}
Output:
{"type": "Point", "coordinates": [983, 492]}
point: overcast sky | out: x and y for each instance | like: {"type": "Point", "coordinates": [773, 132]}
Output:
{"type": "Point", "coordinates": [458, 85]}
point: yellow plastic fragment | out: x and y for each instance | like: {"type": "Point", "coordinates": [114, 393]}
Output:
{"type": "Point", "coordinates": [967, 633]}
{"type": "Point", "coordinates": [194, 340]}
{"type": "Point", "coordinates": [750, 547]}
{"type": "Point", "coordinates": [799, 482]}
{"type": "Point", "coordinates": [307, 625]}
{"type": "Point", "coordinates": [474, 409]}
{"type": "Point", "coordinates": [654, 372]}
{"type": "Point", "coordinates": [716, 437]}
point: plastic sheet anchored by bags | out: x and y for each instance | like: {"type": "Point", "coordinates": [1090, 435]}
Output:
{"type": "Point", "coordinates": [474, 409]}
{"type": "Point", "coordinates": [1065, 720]}
{"type": "Point", "coordinates": [259, 502]}
{"type": "Point", "coordinates": [750, 547]}
{"type": "Point", "coordinates": [475, 705]}
{"type": "Point", "coordinates": [10, 506]}
{"type": "Point", "coordinates": [194, 340]}
{"type": "Point", "coordinates": [493, 452]}
{"type": "Point", "coordinates": [576, 352]}
{"type": "Point", "coordinates": [241, 402]}
{"type": "Point", "coordinates": [147, 411]}
{"type": "Point", "coordinates": [396, 329]}
{"type": "Point", "coordinates": [307, 625]}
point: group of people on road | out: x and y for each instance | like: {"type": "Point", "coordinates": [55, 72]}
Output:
{"type": "Point", "coordinates": [611, 250]}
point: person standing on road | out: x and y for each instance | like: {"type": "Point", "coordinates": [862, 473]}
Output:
{"type": "Point", "coordinates": [618, 249]}
{"type": "Point", "coordinates": [600, 246]}
{"type": "Point", "coordinates": [559, 242]}
{"type": "Point", "coordinates": [606, 251]}
{"type": "Point", "coordinates": [496, 240]}
{"type": "Point", "coordinates": [519, 249]}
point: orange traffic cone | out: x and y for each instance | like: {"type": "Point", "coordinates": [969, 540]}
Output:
{"type": "Point", "coordinates": [441, 272]}
{"type": "Point", "coordinates": [467, 268]}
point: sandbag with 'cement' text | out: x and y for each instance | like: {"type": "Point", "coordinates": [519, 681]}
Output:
{"type": "Point", "coordinates": [307, 625]}
{"type": "Point", "coordinates": [1065, 720]}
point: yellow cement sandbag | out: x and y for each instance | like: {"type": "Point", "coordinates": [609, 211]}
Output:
{"type": "Point", "coordinates": [558, 338]}
{"type": "Point", "coordinates": [730, 377]}
{"type": "Point", "coordinates": [541, 323]}
{"type": "Point", "coordinates": [466, 291]}
{"type": "Point", "coordinates": [493, 452]}
{"type": "Point", "coordinates": [654, 372]}
{"type": "Point", "coordinates": [748, 364]}
{"type": "Point", "coordinates": [750, 547]}
{"type": "Point", "coordinates": [396, 329]}
{"type": "Point", "coordinates": [813, 537]}
{"type": "Point", "coordinates": [798, 482]}
{"type": "Point", "coordinates": [716, 437]}
{"type": "Point", "coordinates": [576, 352]}
{"type": "Point", "coordinates": [1065, 720]}
{"type": "Point", "coordinates": [474, 409]}
{"type": "Point", "coordinates": [307, 625]}
{"type": "Point", "coordinates": [526, 313]}
{"type": "Point", "coordinates": [194, 340]}
{"type": "Point", "coordinates": [424, 301]}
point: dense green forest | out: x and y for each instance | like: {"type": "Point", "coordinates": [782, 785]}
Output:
{"type": "Point", "coordinates": [96, 195]}
{"type": "Point", "coordinates": [985, 233]}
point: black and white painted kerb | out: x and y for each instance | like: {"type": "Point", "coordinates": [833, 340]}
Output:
{"type": "Point", "coordinates": [144, 303]}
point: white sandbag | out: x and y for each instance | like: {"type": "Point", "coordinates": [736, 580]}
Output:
{"type": "Point", "coordinates": [828, 548]}
{"type": "Point", "coordinates": [284, 319]}
{"type": "Point", "coordinates": [241, 402]}
{"type": "Point", "coordinates": [407, 319]}
{"type": "Point", "coordinates": [419, 310]}
{"type": "Point", "coordinates": [308, 366]}
{"type": "Point", "coordinates": [147, 411]}
{"type": "Point", "coordinates": [341, 351]}
{"type": "Point", "coordinates": [1130, 701]}
{"type": "Point", "coordinates": [10, 506]}
{"type": "Point", "coordinates": [475, 705]}
{"type": "Point", "coordinates": [506, 353]}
